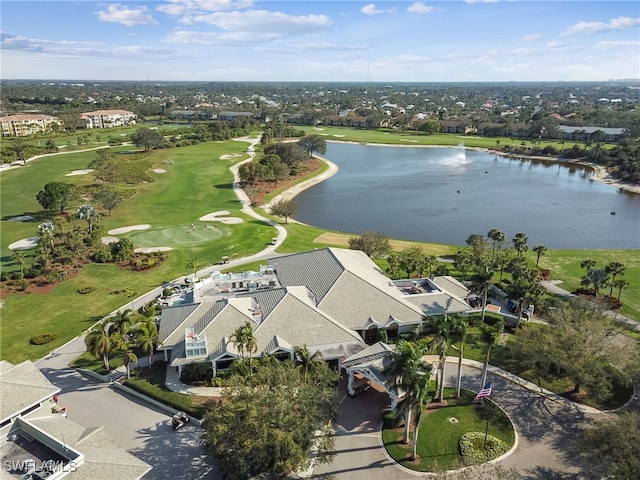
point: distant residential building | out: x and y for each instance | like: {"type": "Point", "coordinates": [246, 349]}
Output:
{"type": "Point", "coordinates": [191, 114]}
{"type": "Point", "coordinates": [346, 121]}
{"type": "Point", "coordinates": [233, 116]}
{"type": "Point", "coordinates": [452, 126]}
{"type": "Point", "coordinates": [23, 125]}
{"type": "Point", "coordinates": [108, 118]}
{"type": "Point", "coordinates": [583, 134]}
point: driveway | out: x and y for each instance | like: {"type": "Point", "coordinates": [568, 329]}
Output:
{"type": "Point", "coordinates": [547, 434]}
{"type": "Point", "coordinates": [141, 429]}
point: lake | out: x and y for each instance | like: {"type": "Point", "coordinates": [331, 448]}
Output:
{"type": "Point", "coordinates": [442, 195]}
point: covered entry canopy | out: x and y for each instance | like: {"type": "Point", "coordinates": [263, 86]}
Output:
{"type": "Point", "coordinates": [372, 363]}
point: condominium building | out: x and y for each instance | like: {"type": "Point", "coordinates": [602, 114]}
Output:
{"type": "Point", "coordinates": [108, 118]}
{"type": "Point", "coordinates": [23, 125]}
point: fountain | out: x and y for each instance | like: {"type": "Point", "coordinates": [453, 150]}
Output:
{"type": "Point", "coordinates": [457, 157]}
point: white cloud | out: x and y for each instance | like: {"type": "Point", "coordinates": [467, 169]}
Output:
{"type": "Point", "coordinates": [218, 38]}
{"type": "Point", "coordinates": [555, 45]}
{"type": "Point", "coordinates": [532, 37]}
{"type": "Point", "coordinates": [187, 7]}
{"type": "Point", "coordinates": [611, 45]}
{"type": "Point", "coordinates": [371, 9]}
{"type": "Point", "coordinates": [619, 23]}
{"type": "Point", "coordinates": [481, 1]}
{"type": "Point", "coordinates": [264, 21]}
{"type": "Point", "coordinates": [117, 13]}
{"type": "Point", "coordinates": [419, 7]}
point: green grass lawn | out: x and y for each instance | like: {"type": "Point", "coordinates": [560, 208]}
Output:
{"type": "Point", "coordinates": [198, 183]}
{"type": "Point", "coordinates": [417, 139]}
{"type": "Point", "coordinates": [438, 436]}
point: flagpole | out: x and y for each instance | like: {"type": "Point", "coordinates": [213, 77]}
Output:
{"type": "Point", "coordinates": [486, 428]}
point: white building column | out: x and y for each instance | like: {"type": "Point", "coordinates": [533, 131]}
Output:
{"type": "Point", "coordinates": [350, 389]}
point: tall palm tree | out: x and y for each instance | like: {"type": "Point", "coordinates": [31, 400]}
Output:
{"type": "Point", "coordinates": [483, 281]}
{"type": "Point", "coordinates": [306, 360]}
{"type": "Point", "coordinates": [539, 249]}
{"type": "Point", "coordinates": [497, 238]}
{"type": "Point", "coordinates": [493, 335]}
{"type": "Point", "coordinates": [406, 368]}
{"type": "Point", "coordinates": [614, 269]}
{"type": "Point", "coordinates": [122, 342]}
{"type": "Point", "coordinates": [620, 284]}
{"type": "Point", "coordinates": [18, 256]}
{"type": "Point", "coordinates": [421, 389]}
{"type": "Point", "coordinates": [520, 243]}
{"type": "Point", "coordinates": [459, 327]}
{"type": "Point", "coordinates": [147, 337]}
{"type": "Point", "coordinates": [194, 263]}
{"type": "Point", "coordinates": [98, 342]}
{"type": "Point", "coordinates": [443, 327]}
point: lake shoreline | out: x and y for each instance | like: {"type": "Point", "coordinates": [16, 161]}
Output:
{"type": "Point", "coordinates": [600, 173]}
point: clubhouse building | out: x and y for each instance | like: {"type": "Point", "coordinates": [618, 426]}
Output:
{"type": "Point", "coordinates": [335, 301]}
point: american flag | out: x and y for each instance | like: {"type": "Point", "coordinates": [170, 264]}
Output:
{"type": "Point", "coordinates": [485, 392]}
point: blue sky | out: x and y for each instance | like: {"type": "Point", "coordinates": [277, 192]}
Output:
{"type": "Point", "coordinates": [321, 40]}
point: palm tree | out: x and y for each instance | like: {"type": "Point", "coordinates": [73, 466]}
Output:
{"type": "Point", "coordinates": [460, 326]}
{"type": "Point", "coordinates": [443, 326]}
{"type": "Point", "coordinates": [492, 336]}
{"type": "Point", "coordinates": [45, 230]}
{"type": "Point", "coordinates": [483, 281]}
{"type": "Point", "coordinates": [598, 277]}
{"type": "Point", "coordinates": [520, 243]}
{"type": "Point", "coordinates": [620, 284]}
{"type": "Point", "coordinates": [421, 389]}
{"type": "Point", "coordinates": [306, 360]}
{"type": "Point", "coordinates": [147, 337]}
{"type": "Point", "coordinates": [614, 269]}
{"type": "Point", "coordinates": [539, 249]}
{"type": "Point", "coordinates": [406, 369]}
{"type": "Point", "coordinates": [194, 263]}
{"type": "Point", "coordinates": [90, 214]}
{"type": "Point", "coordinates": [497, 239]}
{"type": "Point", "coordinates": [587, 264]}
{"type": "Point", "coordinates": [122, 343]}
{"type": "Point", "coordinates": [98, 342]}
{"type": "Point", "coordinates": [244, 340]}
{"type": "Point", "coordinates": [18, 256]}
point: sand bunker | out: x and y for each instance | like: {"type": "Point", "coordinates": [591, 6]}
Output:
{"type": "Point", "coordinates": [159, 170]}
{"type": "Point", "coordinates": [318, 128]}
{"type": "Point", "coordinates": [79, 172]}
{"type": "Point", "coordinates": [118, 231]}
{"type": "Point", "coordinates": [221, 217]}
{"type": "Point", "coordinates": [21, 218]}
{"type": "Point", "coordinates": [24, 244]}
{"type": "Point", "coordinates": [230, 156]}
{"type": "Point", "coordinates": [108, 240]}
{"type": "Point", "coordinates": [152, 249]}
{"type": "Point", "coordinates": [339, 136]}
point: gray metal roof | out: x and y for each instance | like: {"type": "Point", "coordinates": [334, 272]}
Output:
{"type": "Point", "coordinates": [318, 270]}
{"type": "Point", "coordinates": [266, 299]}
{"type": "Point", "coordinates": [353, 301]}
{"type": "Point", "coordinates": [22, 386]}
{"type": "Point", "coordinates": [103, 459]}
{"type": "Point", "coordinates": [172, 317]}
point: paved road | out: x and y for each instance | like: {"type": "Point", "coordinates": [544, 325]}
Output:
{"type": "Point", "coordinates": [547, 434]}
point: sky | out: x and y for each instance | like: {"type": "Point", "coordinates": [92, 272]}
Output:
{"type": "Point", "coordinates": [320, 40]}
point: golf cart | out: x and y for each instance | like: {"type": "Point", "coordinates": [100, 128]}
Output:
{"type": "Point", "coordinates": [178, 420]}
